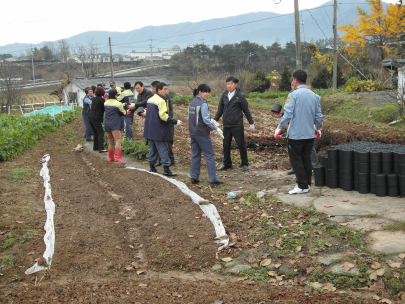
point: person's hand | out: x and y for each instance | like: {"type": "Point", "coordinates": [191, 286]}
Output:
{"type": "Point", "coordinates": [180, 123]}
{"type": "Point", "coordinates": [215, 122]}
{"type": "Point", "coordinates": [220, 133]}
{"type": "Point", "coordinates": [143, 113]}
{"type": "Point", "coordinates": [318, 134]}
{"type": "Point", "coordinates": [131, 106]}
{"type": "Point", "coordinates": [277, 133]}
{"type": "Point", "coordinates": [252, 128]}
{"type": "Point", "coordinates": [128, 112]}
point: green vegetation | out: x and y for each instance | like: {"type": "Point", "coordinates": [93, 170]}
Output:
{"type": "Point", "coordinates": [134, 148]}
{"type": "Point", "coordinates": [18, 172]}
{"type": "Point", "coordinates": [21, 133]}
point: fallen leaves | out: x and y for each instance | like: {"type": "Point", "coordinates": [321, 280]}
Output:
{"type": "Point", "coordinates": [401, 256]}
{"type": "Point", "coordinates": [376, 265]}
{"type": "Point", "coordinates": [265, 263]}
{"type": "Point", "coordinates": [227, 259]}
{"type": "Point", "coordinates": [176, 294]}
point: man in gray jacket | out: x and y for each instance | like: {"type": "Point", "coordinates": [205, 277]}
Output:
{"type": "Point", "coordinates": [301, 111]}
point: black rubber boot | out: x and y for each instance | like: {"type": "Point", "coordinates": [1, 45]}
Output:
{"type": "Point", "coordinates": [152, 168]}
{"type": "Point", "coordinates": [167, 172]}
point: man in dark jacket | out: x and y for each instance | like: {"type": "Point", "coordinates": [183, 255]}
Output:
{"type": "Point", "coordinates": [232, 105]}
{"type": "Point", "coordinates": [127, 97]}
{"type": "Point", "coordinates": [143, 95]}
{"type": "Point", "coordinates": [157, 129]}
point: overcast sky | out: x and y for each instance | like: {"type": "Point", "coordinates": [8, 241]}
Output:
{"type": "Point", "coordinates": [47, 20]}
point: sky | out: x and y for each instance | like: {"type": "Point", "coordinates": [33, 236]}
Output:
{"type": "Point", "coordinates": [44, 20]}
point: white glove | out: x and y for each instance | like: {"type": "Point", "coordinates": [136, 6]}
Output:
{"type": "Point", "coordinates": [277, 133]}
{"type": "Point", "coordinates": [215, 122]}
{"type": "Point", "coordinates": [220, 133]}
{"type": "Point", "coordinates": [131, 106]}
{"type": "Point", "coordinates": [180, 123]}
{"type": "Point", "coordinates": [252, 128]}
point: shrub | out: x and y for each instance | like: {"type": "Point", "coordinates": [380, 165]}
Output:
{"type": "Point", "coordinates": [356, 85]}
{"type": "Point", "coordinates": [285, 81]}
{"type": "Point", "coordinates": [134, 148]}
{"type": "Point", "coordinates": [324, 79]}
{"type": "Point", "coordinates": [259, 82]}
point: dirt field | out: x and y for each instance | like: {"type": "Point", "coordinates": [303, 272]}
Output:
{"type": "Point", "coordinates": [124, 236]}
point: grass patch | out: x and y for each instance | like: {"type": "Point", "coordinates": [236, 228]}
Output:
{"type": "Point", "coordinates": [18, 172]}
{"type": "Point", "coordinates": [395, 227]}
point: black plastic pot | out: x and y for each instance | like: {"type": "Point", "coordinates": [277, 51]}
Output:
{"type": "Point", "coordinates": [333, 173]}
{"type": "Point", "coordinates": [364, 179]}
{"type": "Point", "coordinates": [387, 168]}
{"type": "Point", "coordinates": [356, 186]}
{"type": "Point", "coordinates": [381, 180]}
{"type": "Point", "coordinates": [347, 165]}
{"type": "Point", "coordinates": [355, 176]}
{"type": "Point", "coordinates": [375, 157]}
{"type": "Point", "coordinates": [372, 188]}
{"type": "Point", "coordinates": [364, 167]}
{"type": "Point", "coordinates": [333, 164]}
{"type": "Point", "coordinates": [401, 180]}
{"type": "Point", "coordinates": [355, 166]}
{"type": "Point", "coordinates": [320, 181]}
{"type": "Point", "coordinates": [401, 169]}
{"type": "Point", "coordinates": [401, 158]}
{"type": "Point", "coordinates": [393, 191]}
{"type": "Point", "coordinates": [355, 156]}
{"type": "Point", "coordinates": [402, 191]}
{"type": "Point", "coordinates": [348, 185]}
{"type": "Point", "coordinates": [347, 176]}
{"type": "Point", "coordinates": [387, 157]}
{"type": "Point", "coordinates": [347, 155]}
{"type": "Point", "coordinates": [381, 191]}
{"type": "Point", "coordinates": [372, 178]}
{"type": "Point", "coordinates": [375, 167]}
{"type": "Point", "coordinates": [333, 154]}
{"type": "Point", "coordinates": [333, 183]}
{"type": "Point", "coordinates": [364, 157]}
{"type": "Point", "coordinates": [392, 180]}
{"type": "Point", "coordinates": [319, 171]}
{"type": "Point", "coordinates": [364, 188]}
{"type": "Point", "coordinates": [276, 108]}
{"type": "Point", "coordinates": [395, 161]}
{"type": "Point", "coordinates": [140, 110]}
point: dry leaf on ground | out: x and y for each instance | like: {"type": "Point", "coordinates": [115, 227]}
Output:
{"type": "Point", "coordinates": [176, 294]}
{"type": "Point", "coordinates": [376, 265]}
{"type": "Point", "coordinates": [226, 260]}
{"type": "Point", "coordinates": [266, 262]}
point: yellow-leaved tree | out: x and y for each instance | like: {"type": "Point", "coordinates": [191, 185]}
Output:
{"type": "Point", "coordinates": [381, 29]}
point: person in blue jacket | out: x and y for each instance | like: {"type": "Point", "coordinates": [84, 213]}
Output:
{"type": "Point", "coordinates": [85, 114]}
{"type": "Point", "coordinates": [157, 129]}
{"type": "Point", "coordinates": [302, 111]}
{"type": "Point", "coordinates": [200, 125]}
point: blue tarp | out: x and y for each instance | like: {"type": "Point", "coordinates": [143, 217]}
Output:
{"type": "Point", "coordinates": [52, 110]}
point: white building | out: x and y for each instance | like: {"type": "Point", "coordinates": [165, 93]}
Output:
{"type": "Point", "coordinates": [166, 54]}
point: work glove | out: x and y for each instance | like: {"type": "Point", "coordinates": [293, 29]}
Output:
{"type": "Point", "coordinates": [215, 122]}
{"type": "Point", "coordinates": [131, 106]}
{"type": "Point", "coordinates": [277, 133]}
{"type": "Point", "coordinates": [143, 113]}
{"type": "Point", "coordinates": [220, 133]}
{"type": "Point", "coordinates": [318, 134]}
{"type": "Point", "coordinates": [180, 123]}
{"type": "Point", "coordinates": [252, 128]}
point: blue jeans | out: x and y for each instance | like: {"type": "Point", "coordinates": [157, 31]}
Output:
{"type": "Point", "coordinates": [88, 131]}
{"type": "Point", "coordinates": [202, 144]}
{"type": "Point", "coordinates": [128, 125]}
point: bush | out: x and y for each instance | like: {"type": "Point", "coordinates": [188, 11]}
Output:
{"type": "Point", "coordinates": [285, 81]}
{"type": "Point", "coordinates": [134, 148]}
{"type": "Point", "coordinates": [356, 85]}
{"type": "Point", "coordinates": [324, 79]}
{"type": "Point", "coordinates": [259, 82]}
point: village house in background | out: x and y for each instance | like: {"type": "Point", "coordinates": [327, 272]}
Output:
{"type": "Point", "coordinates": [166, 54]}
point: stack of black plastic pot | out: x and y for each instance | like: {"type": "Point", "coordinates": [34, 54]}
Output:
{"type": "Point", "coordinates": [365, 167]}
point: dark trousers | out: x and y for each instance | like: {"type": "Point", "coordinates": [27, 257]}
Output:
{"type": "Point", "coordinates": [98, 131]}
{"type": "Point", "coordinates": [202, 144]}
{"type": "Point", "coordinates": [300, 158]}
{"type": "Point", "coordinates": [88, 132]}
{"type": "Point", "coordinates": [129, 119]}
{"type": "Point", "coordinates": [161, 149]}
{"type": "Point", "coordinates": [239, 135]}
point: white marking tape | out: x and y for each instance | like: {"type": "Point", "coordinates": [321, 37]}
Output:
{"type": "Point", "coordinates": [209, 210]}
{"type": "Point", "coordinates": [49, 227]}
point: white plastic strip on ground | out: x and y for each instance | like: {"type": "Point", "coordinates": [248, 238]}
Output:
{"type": "Point", "coordinates": [49, 227]}
{"type": "Point", "coordinates": [209, 210]}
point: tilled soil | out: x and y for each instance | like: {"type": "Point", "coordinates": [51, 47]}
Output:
{"type": "Point", "coordinates": [116, 229]}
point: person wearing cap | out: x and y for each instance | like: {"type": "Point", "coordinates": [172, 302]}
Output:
{"type": "Point", "coordinates": [85, 114]}
{"type": "Point", "coordinates": [232, 106]}
{"type": "Point", "coordinates": [200, 125]}
{"type": "Point", "coordinates": [112, 124]}
{"type": "Point", "coordinates": [127, 98]}
{"type": "Point", "coordinates": [302, 111]}
{"type": "Point", "coordinates": [114, 86]}
{"type": "Point", "coordinates": [157, 129]}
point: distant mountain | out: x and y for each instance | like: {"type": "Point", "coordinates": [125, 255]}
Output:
{"type": "Point", "coordinates": [317, 24]}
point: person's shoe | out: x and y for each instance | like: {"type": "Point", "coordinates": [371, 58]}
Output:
{"type": "Point", "coordinates": [217, 183]}
{"type": "Point", "coordinates": [152, 168]}
{"type": "Point", "coordinates": [111, 155]}
{"type": "Point", "coordinates": [194, 181]}
{"type": "Point", "coordinates": [167, 172]}
{"type": "Point", "coordinates": [102, 151]}
{"type": "Point", "coordinates": [290, 172]}
{"type": "Point", "coordinates": [245, 168]}
{"type": "Point", "coordinates": [298, 190]}
{"type": "Point", "coordinates": [158, 164]}
{"type": "Point", "coordinates": [118, 156]}
{"type": "Point", "coordinates": [223, 168]}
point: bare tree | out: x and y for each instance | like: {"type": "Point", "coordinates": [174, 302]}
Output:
{"type": "Point", "coordinates": [64, 50]}
{"type": "Point", "coordinates": [11, 79]}
{"type": "Point", "coordinates": [88, 58]}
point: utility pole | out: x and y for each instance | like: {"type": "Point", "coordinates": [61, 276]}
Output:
{"type": "Point", "coordinates": [151, 52]}
{"type": "Point", "coordinates": [32, 64]}
{"type": "Point", "coordinates": [111, 59]}
{"type": "Point", "coordinates": [334, 46]}
{"type": "Point", "coordinates": [298, 56]}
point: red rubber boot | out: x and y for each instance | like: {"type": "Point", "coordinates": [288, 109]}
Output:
{"type": "Point", "coordinates": [118, 156]}
{"type": "Point", "coordinates": [111, 155]}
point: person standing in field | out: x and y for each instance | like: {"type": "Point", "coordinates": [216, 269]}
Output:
{"type": "Point", "coordinates": [302, 111]}
{"type": "Point", "coordinates": [85, 113]}
{"type": "Point", "coordinates": [96, 117]}
{"type": "Point", "coordinates": [232, 106]}
{"type": "Point", "coordinates": [112, 123]}
{"type": "Point", "coordinates": [126, 98]}
{"type": "Point", "coordinates": [200, 126]}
